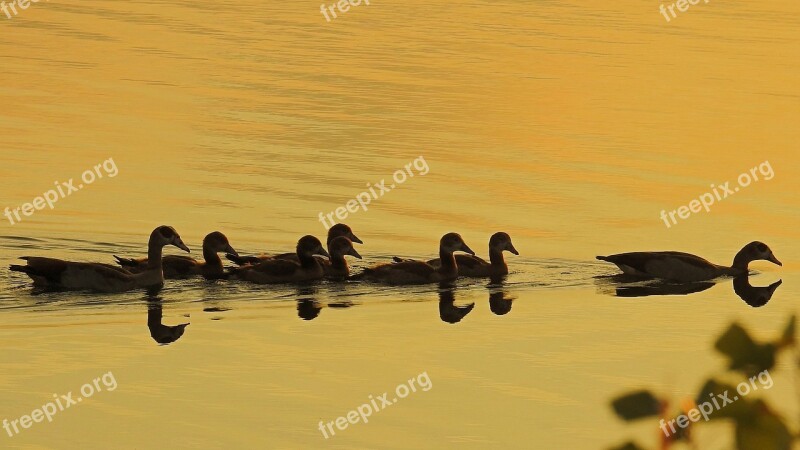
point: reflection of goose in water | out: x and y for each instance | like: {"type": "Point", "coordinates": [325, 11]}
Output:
{"type": "Point", "coordinates": [307, 306]}
{"type": "Point", "coordinates": [448, 311]}
{"type": "Point", "coordinates": [754, 296]}
{"type": "Point", "coordinates": [163, 334]}
{"type": "Point", "coordinates": [499, 303]}
{"type": "Point", "coordinates": [631, 286]}
{"type": "Point", "coordinates": [308, 309]}
{"type": "Point", "coordinates": [628, 286]}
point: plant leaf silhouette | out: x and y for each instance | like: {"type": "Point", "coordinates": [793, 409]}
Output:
{"type": "Point", "coordinates": [637, 405]}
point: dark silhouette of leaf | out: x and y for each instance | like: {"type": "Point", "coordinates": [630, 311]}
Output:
{"type": "Point", "coordinates": [721, 401]}
{"type": "Point", "coordinates": [763, 431]}
{"type": "Point", "coordinates": [637, 405]}
{"type": "Point", "coordinates": [745, 355]}
{"type": "Point", "coordinates": [735, 341]}
{"type": "Point", "coordinates": [627, 446]}
{"type": "Point", "coordinates": [788, 337]}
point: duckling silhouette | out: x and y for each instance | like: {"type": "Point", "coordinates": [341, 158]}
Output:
{"type": "Point", "coordinates": [271, 271]}
{"type": "Point", "coordinates": [473, 266]}
{"type": "Point", "coordinates": [420, 272]}
{"type": "Point", "coordinates": [338, 230]}
{"type": "Point", "coordinates": [182, 266]}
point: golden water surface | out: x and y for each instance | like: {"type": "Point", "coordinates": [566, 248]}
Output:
{"type": "Point", "coordinates": [570, 125]}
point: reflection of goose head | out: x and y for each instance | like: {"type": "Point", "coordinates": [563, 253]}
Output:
{"type": "Point", "coordinates": [448, 311]}
{"type": "Point", "coordinates": [499, 303]}
{"type": "Point", "coordinates": [754, 296]}
{"type": "Point", "coordinates": [163, 334]}
{"type": "Point", "coordinates": [308, 309]}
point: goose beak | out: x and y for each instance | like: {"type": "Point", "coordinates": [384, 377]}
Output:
{"type": "Point", "coordinates": [230, 250]}
{"type": "Point", "coordinates": [511, 248]}
{"type": "Point", "coordinates": [353, 252]}
{"type": "Point", "coordinates": [774, 260]}
{"type": "Point", "coordinates": [355, 239]}
{"type": "Point", "coordinates": [465, 248]}
{"type": "Point", "coordinates": [179, 243]}
{"type": "Point", "coordinates": [321, 251]}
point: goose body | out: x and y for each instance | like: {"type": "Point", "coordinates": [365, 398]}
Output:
{"type": "Point", "coordinates": [181, 266]}
{"type": "Point", "coordinates": [270, 271]}
{"type": "Point", "coordinates": [420, 272]}
{"type": "Point", "coordinates": [338, 230]}
{"type": "Point", "coordinates": [59, 274]}
{"type": "Point", "coordinates": [685, 267]}
{"type": "Point", "coordinates": [474, 266]}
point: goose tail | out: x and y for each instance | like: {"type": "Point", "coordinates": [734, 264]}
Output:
{"type": "Point", "coordinates": [242, 260]}
{"type": "Point", "coordinates": [126, 262]}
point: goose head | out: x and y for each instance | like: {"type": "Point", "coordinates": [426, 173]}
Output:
{"type": "Point", "coordinates": [218, 243]}
{"type": "Point", "coordinates": [452, 242]}
{"type": "Point", "coordinates": [310, 246]}
{"type": "Point", "coordinates": [166, 235]}
{"type": "Point", "coordinates": [341, 246]}
{"type": "Point", "coordinates": [755, 251]}
{"type": "Point", "coordinates": [500, 242]}
{"type": "Point", "coordinates": [341, 229]}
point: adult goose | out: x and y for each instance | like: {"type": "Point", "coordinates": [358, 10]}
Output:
{"type": "Point", "coordinates": [182, 266]}
{"type": "Point", "coordinates": [474, 266]}
{"type": "Point", "coordinates": [307, 268]}
{"type": "Point", "coordinates": [420, 272]}
{"type": "Point", "coordinates": [338, 230]}
{"type": "Point", "coordinates": [59, 274]}
{"type": "Point", "coordinates": [677, 266]}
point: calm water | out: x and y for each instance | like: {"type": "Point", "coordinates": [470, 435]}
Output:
{"type": "Point", "coordinates": [569, 126]}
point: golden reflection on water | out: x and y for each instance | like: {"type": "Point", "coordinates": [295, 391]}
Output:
{"type": "Point", "coordinates": [568, 125]}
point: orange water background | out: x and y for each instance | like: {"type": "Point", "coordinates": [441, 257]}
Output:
{"type": "Point", "coordinates": [569, 125]}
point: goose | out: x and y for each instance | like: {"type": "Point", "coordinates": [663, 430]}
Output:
{"type": "Point", "coordinates": [98, 277]}
{"type": "Point", "coordinates": [286, 271]}
{"type": "Point", "coordinates": [473, 266]}
{"type": "Point", "coordinates": [420, 272]}
{"type": "Point", "coordinates": [683, 267]}
{"type": "Point", "coordinates": [338, 248]}
{"type": "Point", "coordinates": [335, 231]}
{"type": "Point", "coordinates": [181, 266]}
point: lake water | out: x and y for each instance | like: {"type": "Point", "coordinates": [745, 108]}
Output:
{"type": "Point", "coordinates": [571, 126]}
